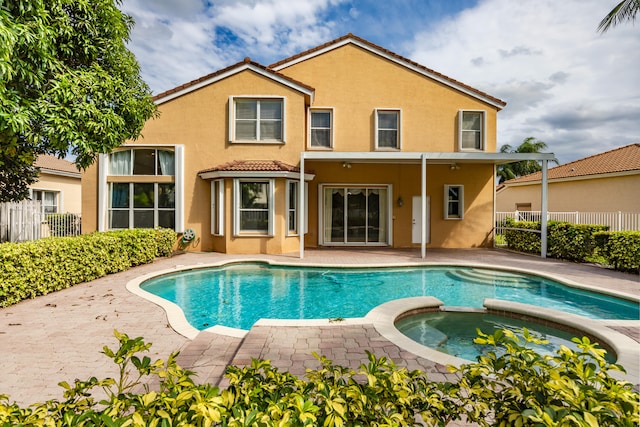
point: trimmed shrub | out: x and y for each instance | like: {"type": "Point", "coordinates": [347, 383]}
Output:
{"type": "Point", "coordinates": [520, 239]}
{"type": "Point", "coordinates": [621, 249]}
{"type": "Point", "coordinates": [517, 388]}
{"type": "Point", "coordinates": [573, 242]}
{"type": "Point", "coordinates": [37, 268]}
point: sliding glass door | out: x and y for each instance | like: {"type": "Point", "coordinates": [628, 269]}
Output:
{"type": "Point", "coordinates": [355, 215]}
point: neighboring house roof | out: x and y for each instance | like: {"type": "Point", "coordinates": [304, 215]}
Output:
{"type": "Point", "coordinates": [246, 64]}
{"type": "Point", "coordinates": [273, 71]}
{"type": "Point", "coordinates": [621, 160]}
{"type": "Point", "coordinates": [379, 50]}
{"type": "Point", "coordinates": [55, 166]}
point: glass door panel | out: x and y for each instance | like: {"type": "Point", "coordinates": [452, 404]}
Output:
{"type": "Point", "coordinates": [356, 215]}
{"type": "Point", "coordinates": [334, 215]}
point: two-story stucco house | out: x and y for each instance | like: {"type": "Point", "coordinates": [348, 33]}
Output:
{"type": "Point", "coordinates": [346, 144]}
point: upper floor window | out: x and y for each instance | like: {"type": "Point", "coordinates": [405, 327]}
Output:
{"type": "Point", "coordinates": [142, 161]}
{"type": "Point", "coordinates": [387, 129]}
{"type": "Point", "coordinates": [453, 202]}
{"type": "Point", "coordinates": [321, 135]}
{"type": "Point", "coordinates": [257, 120]}
{"type": "Point", "coordinates": [471, 127]}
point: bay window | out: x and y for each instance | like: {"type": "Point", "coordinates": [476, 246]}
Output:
{"type": "Point", "coordinates": [253, 209]}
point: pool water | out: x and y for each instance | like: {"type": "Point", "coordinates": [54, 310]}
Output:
{"type": "Point", "coordinates": [453, 333]}
{"type": "Point", "coordinates": [237, 295]}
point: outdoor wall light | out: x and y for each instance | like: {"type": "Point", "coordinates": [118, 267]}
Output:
{"type": "Point", "coordinates": [454, 167]}
{"type": "Point", "coordinates": [346, 165]}
{"type": "Point", "coordinates": [400, 202]}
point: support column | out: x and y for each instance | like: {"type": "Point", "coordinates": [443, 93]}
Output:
{"type": "Point", "coordinates": [301, 213]}
{"type": "Point", "coordinates": [423, 201]}
{"type": "Point", "coordinates": [543, 210]}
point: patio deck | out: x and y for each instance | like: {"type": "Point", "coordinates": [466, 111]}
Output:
{"type": "Point", "coordinates": [60, 336]}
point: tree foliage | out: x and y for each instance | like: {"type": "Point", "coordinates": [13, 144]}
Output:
{"type": "Point", "coordinates": [525, 167]}
{"type": "Point", "coordinates": [68, 84]}
{"type": "Point", "coordinates": [624, 11]}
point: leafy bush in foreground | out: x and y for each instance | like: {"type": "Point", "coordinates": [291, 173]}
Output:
{"type": "Point", "coordinates": [37, 268]}
{"type": "Point", "coordinates": [621, 249]}
{"type": "Point", "coordinates": [517, 388]}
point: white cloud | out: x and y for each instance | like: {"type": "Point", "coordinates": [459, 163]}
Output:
{"type": "Point", "coordinates": [572, 86]}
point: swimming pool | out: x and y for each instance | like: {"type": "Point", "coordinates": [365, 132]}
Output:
{"type": "Point", "coordinates": [237, 295]}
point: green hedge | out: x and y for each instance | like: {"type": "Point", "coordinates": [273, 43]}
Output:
{"type": "Point", "coordinates": [37, 268]}
{"type": "Point", "coordinates": [520, 239]}
{"type": "Point", "coordinates": [621, 249]}
{"type": "Point", "coordinates": [573, 242]}
{"type": "Point", "coordinates": [511, 387]}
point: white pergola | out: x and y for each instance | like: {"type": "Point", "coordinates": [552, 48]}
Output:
{"type": "Point", "coordinates": [424, 159]}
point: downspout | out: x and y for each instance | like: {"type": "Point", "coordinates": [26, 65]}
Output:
{"type": "Point", "coordinates": [543, 211]}
{"type": "Point", "coordinates": [302, 213]}
{"type": "Point", "coordinates": [423, 201]}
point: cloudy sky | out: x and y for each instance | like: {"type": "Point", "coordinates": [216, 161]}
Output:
{"type": "Point", "coordinates": [564, 83]}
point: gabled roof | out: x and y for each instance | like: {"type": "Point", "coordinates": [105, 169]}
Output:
{"type": "Point", "coordinates": [618, 161]}
{"type": "Point", "coordinates": [56, 166]}
{"type": "Point", "coordinates": [273, 72]}
{"type": "Point", "coordinates": [394, 57]}
{"type": "Point", "coordinates": [246, 64]}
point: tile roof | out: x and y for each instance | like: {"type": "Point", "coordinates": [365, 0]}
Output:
{"type": "Point", "coordinates": [392, 54]}
{"type": "Point", "coordinates": [45, 161]}
{"type": "Point", "coordinates": [622, 159]}
{"type": "Point", "coordinates": [253, 166]}
{"type": "Point", "coordinates": [246, 61]}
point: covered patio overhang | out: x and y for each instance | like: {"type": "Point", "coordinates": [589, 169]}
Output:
{"type": "Point", "coordinates": [431, 158]}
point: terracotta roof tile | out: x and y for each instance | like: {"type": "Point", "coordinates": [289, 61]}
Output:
{"type": "Point", "coordinates": [253, 166]}
{"type": "Point", "coordinates": [226, 70]}
{"type": "Point", "coordinates": [390, 53]}
{"type": "Point", "coordinates": [46, 161]}
{"type": "Point", "coordinates": [622, 159]}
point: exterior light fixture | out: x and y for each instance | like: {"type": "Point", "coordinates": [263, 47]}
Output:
{"type": "Point", "coordinates": [346, 165]}
{"type": "Point", "coordinates": [400, 202]}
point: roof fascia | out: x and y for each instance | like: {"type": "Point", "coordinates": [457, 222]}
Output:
{"type": "Point", "coordinates": [391, 58]}
{"type": "Point", "coordinates": [575, 178]}
{"type": "Point", "coordinates": [431, 157]}
{"type": "Point", "coordinates": [60, 173]}
{"type": "Point", "coordinates": [240, 68]}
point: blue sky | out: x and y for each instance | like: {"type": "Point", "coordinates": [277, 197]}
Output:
{"type": "Point", "coordinates": [564, 83]}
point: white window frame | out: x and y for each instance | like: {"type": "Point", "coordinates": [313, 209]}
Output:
{"type": "Point", "coordinates": [156, 209]}
{"type": "Point", "coordinates": [237, 200]}
{"type": "Point", "coordinates": [217, 207]}
{"type": "Point", "coordinates": [482, 131]}
{"type": "Point", "coordinates": [57, 197]}
{"type": "Point", "coordinates": [398, 130]}
{"type": "Point", "coordinates": [104, 192]}
{"type": "Point", "coordinates": [460, 202]}
{"type": "Point", "coordinates": [258, 98]}
{"type": "Point", "coordinates": [331, 128]}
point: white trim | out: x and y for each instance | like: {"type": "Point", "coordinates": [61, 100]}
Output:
{"type": "Point", "coordinates": [430, 157]}
{"type": "Point", "coordinates": [288, 208]}
{"type": "Point", "coordinates": [398, 130]}
{"type": "Point", "coordinates": [483, 133]}
{"type": "Point", "coordinates": [404, 63]}
{"type": "Point", "coordinates": [103, 191]}
{"type": "Point", "coordinates": [178, 179]}
{"type": "Point", "coordinates": [257, 98]}
{"type": "Point", "coordinates": [217, 207]}
{"type": "Point", "coordinates": [332, 127]}
{"type": "Point", "coordinates": [231, 72]}
{"type": "Point", "coordinates": [60, 173]}
{"type": "Point", "coordinates": [460, 201]}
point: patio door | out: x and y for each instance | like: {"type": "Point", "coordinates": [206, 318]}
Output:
{"type": "Point", "coordinates": [355, 216]}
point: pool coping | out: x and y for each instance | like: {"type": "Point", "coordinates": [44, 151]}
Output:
{"type": "Point", "coordinates": [627, 349]}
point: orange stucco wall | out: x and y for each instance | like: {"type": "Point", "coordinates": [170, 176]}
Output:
{"type": "Point", "coordinates": [591, 195]}
{"type": "Point", "coordinates": [353, 82]}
